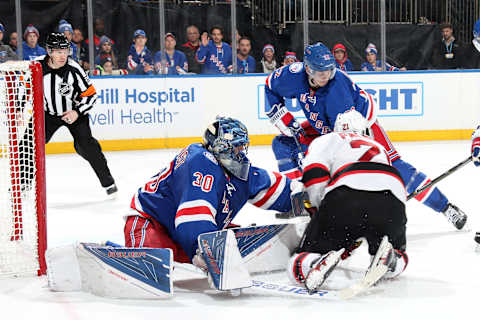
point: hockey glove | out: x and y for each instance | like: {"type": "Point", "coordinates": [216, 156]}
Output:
{"type": "Point", "coordinates": [296, 197]}
{"type": "Point", "coordinates": [285, 122]}
{"type": "Point", "coordinates": [476, 147]}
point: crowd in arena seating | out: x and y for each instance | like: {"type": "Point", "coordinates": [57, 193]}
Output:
{"type": "Point", "coordinates": [207, 53]}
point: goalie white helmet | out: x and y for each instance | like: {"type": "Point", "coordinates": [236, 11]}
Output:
{"type": "Point", "coordinates": [351, 121]}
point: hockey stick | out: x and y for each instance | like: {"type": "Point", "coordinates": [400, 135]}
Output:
{"type": "Point", "coordinates": [300, 152]}
{"type": "Point", "coordinates": [440, 178]}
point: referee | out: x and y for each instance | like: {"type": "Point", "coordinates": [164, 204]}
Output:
{"type": "Point", "coordinates": [68, 96]}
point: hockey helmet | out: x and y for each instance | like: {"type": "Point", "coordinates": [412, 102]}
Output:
{"type": "Point", "coordinates": [57, 40]}
{"type": "Point", "coordinates": [318, 58]}
{"type": "Point", "coordinates": [227, 139]}
{"type": "Point", "coordinates": [351, 121]}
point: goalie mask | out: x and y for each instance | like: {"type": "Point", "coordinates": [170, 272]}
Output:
{"type": "Point", "coordinates": [227, 139]}
{"type": "Point", "coordinates": [351, 121]}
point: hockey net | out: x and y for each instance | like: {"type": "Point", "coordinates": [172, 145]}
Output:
{"type": "Point", "coordinates": [22, 170]}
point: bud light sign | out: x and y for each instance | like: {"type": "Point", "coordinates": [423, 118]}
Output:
{"type": "Point", "coordinates": [393, 99]}
{"type": "Point", "coordinates": [396, 99]}
{"type": "Point", "coordinates": [292, 105]}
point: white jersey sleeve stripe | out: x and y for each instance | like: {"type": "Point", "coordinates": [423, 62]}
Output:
{"type": "Point", "coordinates": [196, 210]}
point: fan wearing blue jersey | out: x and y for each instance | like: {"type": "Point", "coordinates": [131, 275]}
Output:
{"type": "Point", "coordinates": [372, 64]}
{"type": "Point", "coordinates": [201, 190]}
{"type": "Point", "coordinates": [215, 55]}
{"type": "Point", "coordinates": [175, 63]}
{"type": "Point", "coordinates": [323, 92]}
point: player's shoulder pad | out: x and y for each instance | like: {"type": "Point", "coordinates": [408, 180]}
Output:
{"type": "Point", "coordinates": [287, 80]}
{"type": "Point", "coordinates": [296, 67]}
{"type": "Point", "coordinates": [197, 157]}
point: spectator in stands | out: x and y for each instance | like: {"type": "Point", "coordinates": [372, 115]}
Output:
{"type": "Point", "coordinates": [66, 28]}
{"type": "Point", "coordinates": [6, 52]}
{"type": "Point", "coordinates": [31, 49]}
{"type": "Point", "coordinates": [372, 64]}
{"type": "Point", "coordinates": [341, 57]}
{"type": "Point", "coordinates": [106, 51]}
{"type": "Point", "coordinates": [99, 31]}
{"type": "Point", "coordinates": [268, 63]}
{"type": "Point", "coordinates": [215, 55]}
{"type": "Point", "coordinates": [105, 67]}
{"type": "Point", "coordinates": [447, 54]}
{"type": "Point", "coordinates": [13, 41]}
{"type": "Point", "coordinates": [471, 56]}
{"type": "Point", "coordinates": [176, 61]}
{"type": "Point", "coordinates": [245, 62]}
{"type": "Point", "coordinates": [82, 49]}
{"type": "Point", "coordinates": [289, 58]}
{"type": "Point", "coordinates": [139, 60]}
{"type": "Point", "coordinates": [190, 49]}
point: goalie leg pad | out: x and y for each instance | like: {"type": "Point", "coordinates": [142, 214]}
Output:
{"type": "Point", "coordinates": [63, 271]}
{"type": "Point", "coordinates": [110, 272]}
{"type": "Point", "coordinates": [224, 263]}
{"type": "Point", "coordinates": [143, 273]}
{"type": "Point", "coordinates": [269, 247]}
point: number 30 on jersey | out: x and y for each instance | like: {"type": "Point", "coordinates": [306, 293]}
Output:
{"type": "Point", "coordinates": [204, 182]}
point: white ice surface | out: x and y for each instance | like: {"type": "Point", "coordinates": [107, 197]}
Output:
{"type": "Point", "coordinates": [442, 280]}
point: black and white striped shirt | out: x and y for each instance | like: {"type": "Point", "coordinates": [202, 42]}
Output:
{"type": "Point", "coordinates": [66, 88]}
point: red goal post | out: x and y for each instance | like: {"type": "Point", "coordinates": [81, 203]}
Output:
{"type": "Point", "coordinates": [23, 237]}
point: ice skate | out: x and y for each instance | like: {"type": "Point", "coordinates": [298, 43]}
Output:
{"type": "Point", "coordinates": [456, 216]}
{"type": "Point", "coordinates": [322, 269]}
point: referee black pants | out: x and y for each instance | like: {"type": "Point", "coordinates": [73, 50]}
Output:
{"type": "Point", "coordinates": [347, 214]}
{"type": "Point", "coordinates": [84, 143]}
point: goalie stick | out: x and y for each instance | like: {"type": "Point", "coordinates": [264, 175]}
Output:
{"type": "Point", "coordinates": [440, 177]}
{"type": "Point", "coordinates": [281, 289]}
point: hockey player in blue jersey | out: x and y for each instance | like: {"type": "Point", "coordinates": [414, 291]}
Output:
{"type": "Point", "coordinates": [202, 190]}
{"type": "Point", "coordinates": [476, 134]}
{"type": "Point", "coordinates": [323, 92]}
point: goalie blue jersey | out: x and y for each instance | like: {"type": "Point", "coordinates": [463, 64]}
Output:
{"type": "Point", "coordinates": [320, 106]}
{"type": "Point", "coordinates": [194, 195]}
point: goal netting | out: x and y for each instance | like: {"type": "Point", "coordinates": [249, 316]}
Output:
{"type": "Point", "coordinates": [22, 169]}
